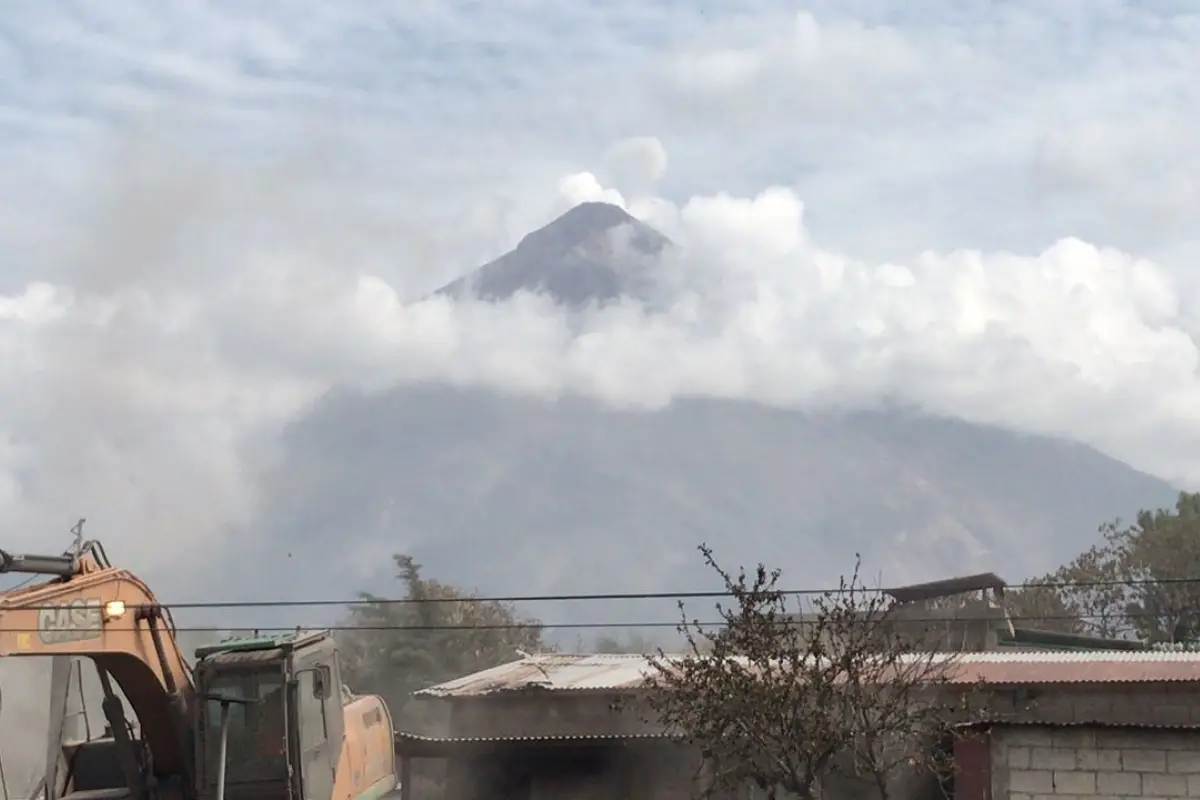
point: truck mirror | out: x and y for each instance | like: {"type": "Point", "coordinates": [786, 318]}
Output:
{"type": "Point", "coordinates": [321, 683]}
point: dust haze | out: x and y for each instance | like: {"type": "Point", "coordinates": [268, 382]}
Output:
{"type": "Point", "coordinates": [202, 303]}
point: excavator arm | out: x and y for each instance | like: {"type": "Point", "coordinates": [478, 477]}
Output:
{"type": "Point", "coordinates": [87, 607]}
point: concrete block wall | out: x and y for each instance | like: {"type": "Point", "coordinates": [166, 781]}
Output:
{"type": "Point", "coordinates": [1113, 703]}
{"type": "Point", "coordinates": [1040, 763]}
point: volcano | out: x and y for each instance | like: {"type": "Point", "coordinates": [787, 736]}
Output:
{"type": "Point", "coordinates": [509, 494]}
{"type": "Point", "coordinates": [594, 253]}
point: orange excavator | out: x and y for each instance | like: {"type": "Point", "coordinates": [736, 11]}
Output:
{"type": "Point", "coordinates": [264, 717]}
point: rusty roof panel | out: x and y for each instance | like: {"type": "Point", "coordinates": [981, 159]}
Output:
{"type": "Point", "coordinates": [1097, 666]}
{"type": "Point", "coordinates": [584, 673]}
{"type": "Point", "coordinates": [1079, 723]}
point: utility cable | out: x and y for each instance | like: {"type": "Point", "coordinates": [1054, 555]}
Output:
{"type": "Point", "coordinates": [535, 624]}
{"type": "Point", "coordinates": [608, 596]}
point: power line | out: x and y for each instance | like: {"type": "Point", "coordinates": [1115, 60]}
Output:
{"type": "Point", "coordinates": [611, 596]}
{"type": "Point", "coordinates": [532, 625]}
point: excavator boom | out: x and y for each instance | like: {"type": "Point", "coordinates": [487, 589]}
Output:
{"type": "Point", "coordinates": [89, 608]}
{"type": "Point", "coordinates": [259, 718]}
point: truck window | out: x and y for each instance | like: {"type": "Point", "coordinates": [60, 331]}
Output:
{"type": "Point", "coordinates": [257, 733]}
{"type": "Point", "coordinates": [312, 709]}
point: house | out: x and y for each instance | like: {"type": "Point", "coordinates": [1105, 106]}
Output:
{"type": "Point", "coordinates": [548, 726]}
{"type": "Point", "coordinates": [1060, 723]}
{"type": "Point", "coordinates": [969, 613]}
{"type": "Point", "coordinates": [1098, 724]}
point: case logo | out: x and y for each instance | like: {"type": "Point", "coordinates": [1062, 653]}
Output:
{"type": "Point", "coordinates": [77, 621]}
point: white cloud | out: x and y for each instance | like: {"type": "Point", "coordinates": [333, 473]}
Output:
{"type": "Point", "coordinates": [163, 315]}
{"type": "Point", "coordinates": [636, 165]}
{"type": "Point", "coordinates": [753, 71]}
{"type": "Point", "coordinates": [154, 399]}
{"type": "Point", "coordinates": [212, 214]}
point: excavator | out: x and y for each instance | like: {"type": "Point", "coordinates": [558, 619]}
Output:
{"type": "Point", "coordinates": [260, 717]}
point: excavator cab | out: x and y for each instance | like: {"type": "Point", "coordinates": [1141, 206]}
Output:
{"type": "Point", "coordinates": [262, 717]}
{"type": "Point", "coordinates": [271, 717]}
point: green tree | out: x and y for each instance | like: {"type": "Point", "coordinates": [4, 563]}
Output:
{"type": "Point", "coordinates": [1084, 596]}
{"type": "Point", "coordinates": [1138, 582]}
{"type": "Point", "coordinates": [1158, 557]}
{"type": "Point", "coordinates": [435, 633]}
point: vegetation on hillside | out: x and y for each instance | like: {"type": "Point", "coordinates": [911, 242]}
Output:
{"type": "Point", "coordinates": [1137, 582]}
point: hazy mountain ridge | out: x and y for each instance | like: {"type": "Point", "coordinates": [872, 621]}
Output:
{"type": "Point", "coordinates": [508, 494]}
{"type": "Point", "coordinates": [532, 497]}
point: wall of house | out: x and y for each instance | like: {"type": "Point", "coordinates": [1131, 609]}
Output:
{"type": "Point", "coordinates": [1030, 763]}
{"type": "Point", "coordinates": [1113, 703]}
{"type": "Point", "coordinates": [629, 771]}
{"type": "Point", "coordinates": [971, 627]}
{"type": "Point", "coordinates": [1025, 762]}
{"type": "Point", "coordinates": [902, 784]}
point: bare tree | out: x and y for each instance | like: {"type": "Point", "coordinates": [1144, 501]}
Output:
{"type": "Point", "coordinates": [783, 701]}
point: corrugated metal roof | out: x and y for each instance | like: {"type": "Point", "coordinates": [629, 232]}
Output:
{"type": "Point", "coordinates": [580, 737]}
{"type": "Point", "coordinates": [552, 672]}
{"type": "Point", "coordinates": [946, 587]}
{"type": "Point", "coordinates": [1094, 666]}
{"type": "Point", "coordinates": [417, 746]}
{"type": "Point", "coordinates": [584, 673]}
{"type": "Point", "coordinates": [1080, 723]}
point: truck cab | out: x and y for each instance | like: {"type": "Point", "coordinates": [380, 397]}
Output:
{"type": "Point", "coordinates": [270, 717]}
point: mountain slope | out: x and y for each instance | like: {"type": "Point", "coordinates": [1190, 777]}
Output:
{"type": "Point", "coordinates": [512, 495]}
{"type": "Point", "coordinates": [594, 252]}
{"type": "Point", "coordinates": [515, 495]}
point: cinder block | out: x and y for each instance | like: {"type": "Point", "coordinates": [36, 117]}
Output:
{"type": "Point", "coordinates": [1183, 740]}
{"type": "Point", "coordinates": [1130, 711]}
{"type": "Point", "coordinates": [1028, 736]}
{"type": "Point", "coordinates": [1052, 758]}
{"type": "Point", "coordinates": [1076, 783]}
{"type": "Point", "coordinates": [1193, 785]}
{"type": "Point", "coordinates": [1144, 760]}
{"type": "Point", "coordinates": [1095, 759]}
{"type": "Point", "coordinates": [1031, 781]}
{"type": "Point", "coordinates": [1090, 708]}
{"type": "Point", "coordinates": [1074, 737]}
{"type": "Point", "coordinates": [1165, 785]}
{"type": "Point", "coordinates": [1055, 708]}
{"type": "Point", "coordinates": [1122, 738]}
{"type": "Point", "coordinates": [1119, 784]}
{"type": "Point", "coordinates": [1183, 761]}
{"type": "Point", "coordinates": [1170, 715]}
{"type": "Point", "coordinates": [1017, 757]}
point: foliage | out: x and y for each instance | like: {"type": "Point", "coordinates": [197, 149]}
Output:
{"type": "Point", "coordinates": [395, 648]}
{"type": "Point", "coordinates": [780, 701]}
{"type": "Point", "coordinates": [1137, 583]}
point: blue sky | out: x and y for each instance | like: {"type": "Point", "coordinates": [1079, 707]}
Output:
{"type": "Point", "coordinates": [902, 127]}
{"type": "Point", "coordinates": [213, 212]}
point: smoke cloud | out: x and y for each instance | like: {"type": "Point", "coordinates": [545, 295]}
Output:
{"type": "Point", "coordinates": [148, 386]}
